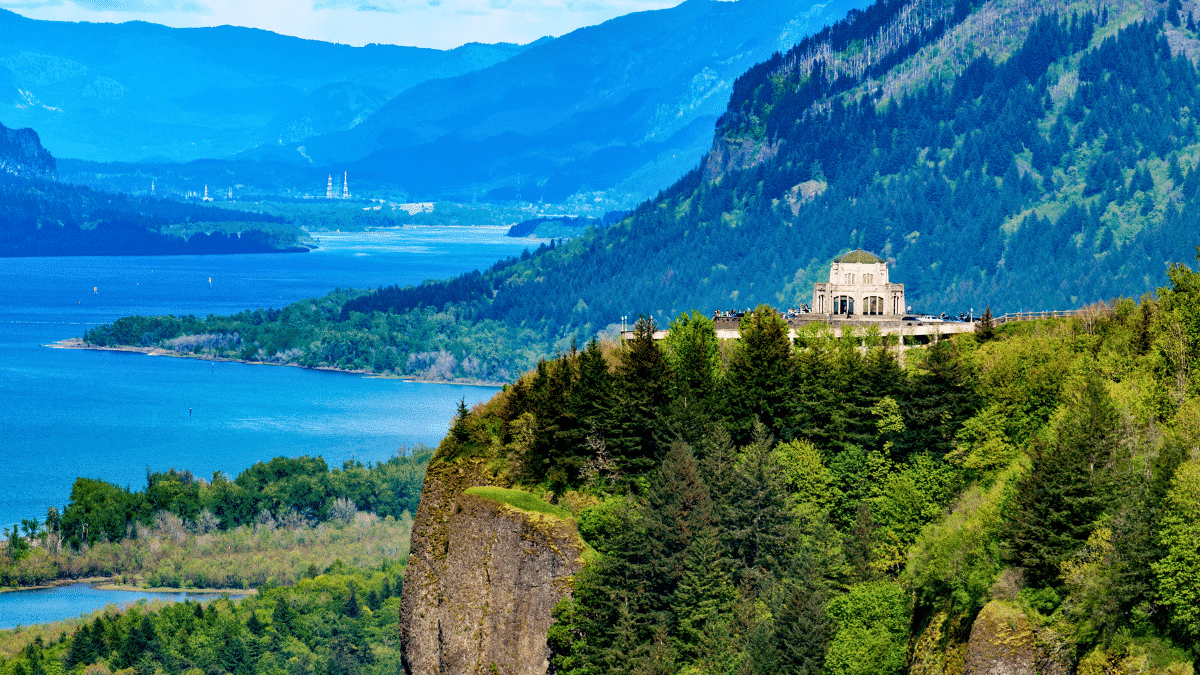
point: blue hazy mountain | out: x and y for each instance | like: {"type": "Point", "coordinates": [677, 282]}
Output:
{"type": "Point", "coordinates": [137, 91]}
{"type": "Point", "coordinates": [40, 216]}
{"type": "Point", "coordinates": [22, 155]}
{"type": "Point", "coordinates": [628, 105]}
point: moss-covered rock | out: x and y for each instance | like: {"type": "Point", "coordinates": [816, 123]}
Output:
{"type": "Point", "coordinates": [1003, 642]}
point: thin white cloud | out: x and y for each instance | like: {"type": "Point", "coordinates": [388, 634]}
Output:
{"type": "Point", "coordinates": [440, 24]}
{"type": "Point", "coordinates": [362, 5]}
{"type": "Point", "coordinates": [142, 6]}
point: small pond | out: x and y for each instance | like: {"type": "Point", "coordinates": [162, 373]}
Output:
{"type": "Point", "coordinates": [45, 605]}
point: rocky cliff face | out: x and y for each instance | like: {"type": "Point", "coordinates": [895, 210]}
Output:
{"type": "Point", "coordinates": [736, 155]}
{"type": "Point", "coordinates": [482, 580]}
{"type": "Point", "coordinates": [22, 155]}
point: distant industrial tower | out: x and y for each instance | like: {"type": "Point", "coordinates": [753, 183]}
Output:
{"type": "Point", "coordinates": [345, 185]}
{"type": "Point", "coordinates": [329, 188]}
{"type": "Point", "coordinates": [206, 197]}
{"type": "Point", "coordinates": [151, 187]}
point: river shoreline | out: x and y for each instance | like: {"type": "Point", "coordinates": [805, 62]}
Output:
{"type": "Point", "coordinates": [113, 584]}
{"type": "Point", "coordinates": [78, 343]}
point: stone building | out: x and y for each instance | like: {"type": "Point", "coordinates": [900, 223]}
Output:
{"type": "Point", "coordinates": [858, 286]}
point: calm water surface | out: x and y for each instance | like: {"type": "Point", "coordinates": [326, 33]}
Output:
{"type": "Point", "coordinates": [44, 605]}
{"type": "Point", "coordinates": [68, 413]}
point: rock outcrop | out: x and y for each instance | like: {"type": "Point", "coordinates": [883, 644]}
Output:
{"type": "Point", "coordinates": [482, 579]}
{"type": "Point", "coordinates": [22, 155]}
{"type": "Point", "coordinates": [1005, 642]}
{"type": "Point", "coordinates": [736, 155]}
{"type": "Point", "coordinates": [1002, 642]}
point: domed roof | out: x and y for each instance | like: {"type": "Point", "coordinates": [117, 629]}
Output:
{"type": "Point", "coordinates": [858, 256]}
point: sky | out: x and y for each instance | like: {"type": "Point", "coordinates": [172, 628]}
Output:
{"type": "Point", "coordinates": [441, 24]}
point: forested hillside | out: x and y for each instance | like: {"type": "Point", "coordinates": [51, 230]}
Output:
{"type": "Point", "coordinates": [1018, 500]}
{"type": "Point", "coordinates": [622, 107]}
{"type": "Point", "coordinates": [1011, 154]}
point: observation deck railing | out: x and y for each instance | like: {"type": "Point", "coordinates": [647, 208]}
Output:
{"type": "Point", "coordinates": [1033, 316]}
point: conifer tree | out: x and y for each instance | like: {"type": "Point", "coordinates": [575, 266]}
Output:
{"type": "Point", "coordinates": [1056, 504]}
{"type": "Point", "coordinates": [591, 408]}
{"type": "Point", "coordinates": [677, 511]}
{"type": "Point", "coordinates": [758, 384]}
{"type": "Point", "coordinates": [623, 601]}
{"type": "Point", "coordinates": [703, 601]}
{"type": "Point", "coordinates": [693, 355]}
{"type": "Point", "coordinates": [759, 527]}
{"type": "Point", "coordinates": [642, 380]}
{"type": "Point", "coordinates": [984, 330]}
{"type": "Point", "coordinates": [718, 458]}
{"type": "Point", "coordinates": [801, 631]}
{"type": "Point", "coordinates": [938, 401]}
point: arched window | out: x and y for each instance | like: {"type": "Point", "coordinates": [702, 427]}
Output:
{"type": "Point", "coordinates": [868, 279]}
{"type": "Point", "coordinates": [843, 304]}
{"type": "Point", "coordinates": [873, 305]}
{"type": "Point", "coordinates": [849, 279]}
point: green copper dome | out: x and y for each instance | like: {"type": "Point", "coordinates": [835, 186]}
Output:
{"type": "Point", "coordinates": [858, 256]}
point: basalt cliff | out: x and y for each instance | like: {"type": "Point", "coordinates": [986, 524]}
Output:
{"type": "Point", "coordinates": [482, 578]}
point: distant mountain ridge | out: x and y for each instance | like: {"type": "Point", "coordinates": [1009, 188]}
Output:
{"type": "Point", "coordinates": [626, 105]}
{"type": "Point", "coordinates": [42, 217]}
{"type": "Point", "coordinates": [135, 91]}
{"type": "Point", "coordinates": [22, 155]}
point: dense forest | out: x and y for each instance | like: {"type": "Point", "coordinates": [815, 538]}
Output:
{"type": "Point", "coordinates": [834, 507]}
{"type": "Point", "coordinates": [97, 532]}
{"type": "Point", "coordinates": [1045, 161]}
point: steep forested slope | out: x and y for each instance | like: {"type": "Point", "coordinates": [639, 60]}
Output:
{"type": "Point", "coordinates": [1020, 500]}
{"type": "Point", "coordinates": [1023, 156]}
{"type": "Point", "coordinates": [626, 105]}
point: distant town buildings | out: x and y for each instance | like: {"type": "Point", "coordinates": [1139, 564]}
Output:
{"type": "Point", "coordinates": [415, 208]}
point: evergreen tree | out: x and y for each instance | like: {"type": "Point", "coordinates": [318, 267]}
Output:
{"type": "Point", "coordinates": [591, 410]}
{"type": "Point", "coordinates": [759, 527]}
{"type": "Point", "coordinates": [801, 631]}
{"type": "Point", "coordinates": [703, 601]}
{"type": "Point", "coordinates": [676, 512]}
{"type": "Point", "coordinates": [642, 380]}
{"type": "Point", "coordinates": [758, 384]}
{"type": "Point", "coordinates": [938, 401]}
{"type": "Point", "coordinates": [984, 330]}
{"type": "Point", "coordinates": [693, 355]}
{"type": "Point", "coordinates": [1056, 504]}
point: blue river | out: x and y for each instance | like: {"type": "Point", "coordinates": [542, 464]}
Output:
{"type": "Point", "coordinates": [111, 415]}
{"type": "Point", "coordinates": [45, 605]}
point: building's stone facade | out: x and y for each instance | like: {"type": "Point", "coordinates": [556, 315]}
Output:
{"type": "Point", "coordinates": [858, 286]}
